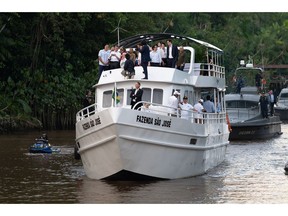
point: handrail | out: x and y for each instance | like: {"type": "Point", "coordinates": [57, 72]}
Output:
{"type": "Point", "coordinates": [208, 69]}
{"type": "Point", "coordinates": [86, 112]}
{"type": "Point", "coordinates": [193, 116]}
{"type": "Point", "coordinates": [250, 112]}
{"type": "Point", "coordinates": [161, 109]}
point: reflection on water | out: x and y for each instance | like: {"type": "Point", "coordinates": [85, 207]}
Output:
{"type": "Point", "coordinates": [251, 173]}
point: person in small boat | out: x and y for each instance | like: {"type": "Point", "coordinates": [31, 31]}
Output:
{"type": "Point", "coordinates": [129, 70]}
{"type": "Point", "coordinates": [136, 96]}
{"type": "Point", "coordinates": [173, 103]}
{"type": "Point", "coordinates": [44, 137]}
{"type": "Point", "coordinates": [186, 109]}
{"type": "Point", "coordinates": [264, 105]}
{"type": "Point", "coordinates": [209, 105]}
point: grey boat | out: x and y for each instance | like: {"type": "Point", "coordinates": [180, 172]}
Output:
{"type": "Point", "coordinates": [244, 110]}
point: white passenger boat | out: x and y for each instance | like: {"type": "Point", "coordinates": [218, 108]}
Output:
{"type": "Point", "coordinates": [117, 142]}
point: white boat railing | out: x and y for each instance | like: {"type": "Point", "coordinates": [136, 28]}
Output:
{"type": "Point", "coordinates": [193, 116]}
{"type": "Point", "coordinates": [86, 112]}
{"type": "Point", "coordinates": [212, 70]}
{"type": "Point", "coordinates": [241, 114]}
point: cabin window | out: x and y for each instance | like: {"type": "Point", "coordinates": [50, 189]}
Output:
{"type": "Point", "coordinates": [284, 96]}
{"type": "Point", "coordinates": [250, 104]}
{"type": "Point", "coordinates": [157, 96]}
{"type": "Point", "coordinates": [128, 101]}
{"type": "Point", "coordinates": [241, 104]}
{"type": "Point", "coordinates": [146, 94]}
{"type": "Point", "coordinates": [107, 98]}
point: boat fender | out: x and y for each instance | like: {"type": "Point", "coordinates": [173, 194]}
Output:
{"type": "Point", "coordinates": [228, 123]}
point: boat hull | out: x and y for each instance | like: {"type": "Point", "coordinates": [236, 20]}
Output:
{"type": "Point", "coordinates": [121, 145]}
{"type": "Point", "coordinates": [282, 112]}
{"type": "Point", "coordinates": [256, 129]}
{"type": "Point", "coordinates": [47, 150]}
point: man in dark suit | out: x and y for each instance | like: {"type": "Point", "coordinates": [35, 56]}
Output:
{"type": "Point", "coordinates": [136, 96]}
{"type": "Point", "coordinates": [172, 54]}
{"type": "Point", "coordinates": [145, 57]}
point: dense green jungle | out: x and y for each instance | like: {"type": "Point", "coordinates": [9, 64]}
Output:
{"type": "Point", "coordinates": [49, 60]}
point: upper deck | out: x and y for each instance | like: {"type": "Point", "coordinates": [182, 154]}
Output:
{"type": "Point", "coordinates": [208, 72]}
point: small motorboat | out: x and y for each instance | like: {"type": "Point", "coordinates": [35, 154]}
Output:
{"type": "Point", "coordinates": [42, 146]}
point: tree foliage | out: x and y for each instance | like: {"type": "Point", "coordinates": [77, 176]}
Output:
{"type": "Point", "coordinates": [48, 60]}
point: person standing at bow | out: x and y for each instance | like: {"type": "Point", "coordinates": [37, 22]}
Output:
{"type": "Point", "coordinates": [136, 96]}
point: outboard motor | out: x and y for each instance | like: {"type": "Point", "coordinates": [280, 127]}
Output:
{"type": "Point", "coordinates": [286, 168]}
{"type": "Point", "coordinates": [76, 154]}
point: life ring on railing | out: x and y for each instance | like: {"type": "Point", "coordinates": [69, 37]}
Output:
{"type": "Point", "coordinates": [228, 123]}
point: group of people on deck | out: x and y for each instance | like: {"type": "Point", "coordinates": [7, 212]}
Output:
{"type": "Point", "coordinates": [200, 107]}
{"type": "Point", "coordinates": [158, 55]}
{"type": "Point", "coordinates": [174, 102]}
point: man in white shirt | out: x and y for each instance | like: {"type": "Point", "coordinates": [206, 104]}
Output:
{"type": "Point", "coordinates": [115, 57]}
{"type": "Point", "coordinates": [103, 57]}
{"type": "Point", "coordinates": [186, 109]}
{"type": "Point", "coordinates": [173, 102]}
{"type": "Point", "coordinates": [172, 54]}
{"type": "Point", "coordinates": [155, 57]}
{"type": "Point", "coordinates": [200, 109]}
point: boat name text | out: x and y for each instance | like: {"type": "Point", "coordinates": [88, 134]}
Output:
{"type": "Point", "coordinates": [246, 132]}
{"type": "Point", "coordinates": [91, 123]}
{"type": "Point", "coordinates": [156, 121]}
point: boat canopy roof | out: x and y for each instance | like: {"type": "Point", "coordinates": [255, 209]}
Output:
{"type": "Point", "coordinates": [284, 90]}
{"type": "Point", "coordinates": [134, 40]}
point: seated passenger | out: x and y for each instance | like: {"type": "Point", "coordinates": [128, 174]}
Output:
{"type": "Point", "coordinates": [129, 70]}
